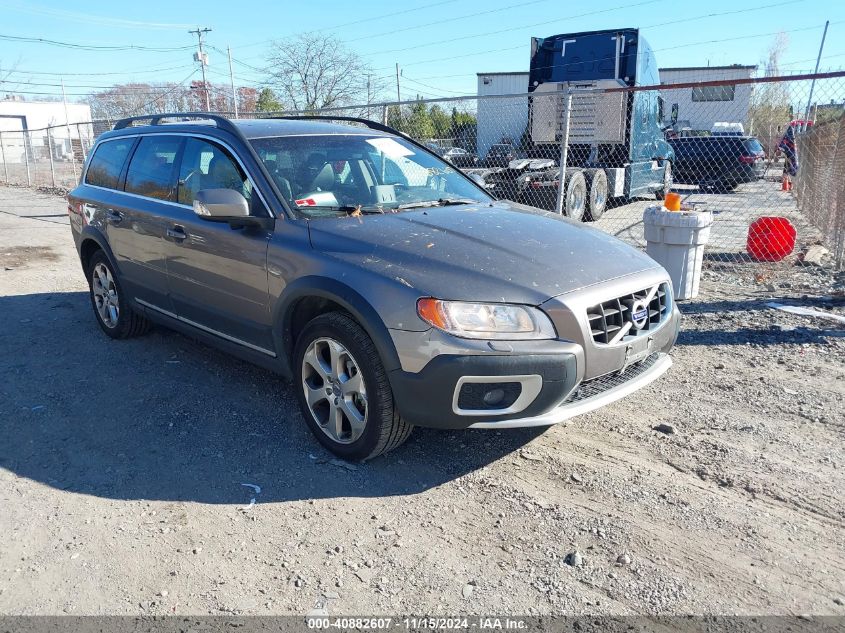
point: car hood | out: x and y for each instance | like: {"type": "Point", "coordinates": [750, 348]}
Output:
{"type": "Point", "coordinates": [488, 252]}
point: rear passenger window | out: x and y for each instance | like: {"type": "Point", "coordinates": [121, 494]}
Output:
{"type": "Point", "coordinates": [107, 163]}
{"type": "Point", "coordinates": [152, 168]}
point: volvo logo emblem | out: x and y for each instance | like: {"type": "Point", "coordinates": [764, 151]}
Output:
{"type": "Point", "coordinates": [639, 314]}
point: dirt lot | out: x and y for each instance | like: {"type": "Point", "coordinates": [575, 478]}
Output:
{"type": "Point", "coordinates": [123, 466]}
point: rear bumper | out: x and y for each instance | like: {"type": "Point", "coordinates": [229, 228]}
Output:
{"type": "Point", "coordinates": [618, 386]}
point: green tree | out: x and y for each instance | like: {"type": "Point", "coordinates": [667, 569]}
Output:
{"type": "Point", "coordinates": [441, 122]}
{"type": "Point", "coordinates": [419, 123]}
{"type": "Point", "coordinates": [268, 101]}
{"type": "Point", "coordinates": [464, 129]}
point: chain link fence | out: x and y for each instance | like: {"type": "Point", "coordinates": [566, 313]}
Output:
{"type": "Point", "coordinates": [764, 156]}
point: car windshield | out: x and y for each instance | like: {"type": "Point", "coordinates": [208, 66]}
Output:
{"type": "Point", "coordinates": [330, 175]}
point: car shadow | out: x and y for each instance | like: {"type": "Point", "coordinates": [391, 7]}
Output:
{"type": "Point", "coordinates": [163, 417]}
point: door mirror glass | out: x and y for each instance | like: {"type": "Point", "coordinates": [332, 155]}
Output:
{"type": "Point", "coordinates": [220, 204]}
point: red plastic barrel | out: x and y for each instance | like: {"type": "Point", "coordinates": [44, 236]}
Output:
{"type": "Point", "coordinates": [770, 238]}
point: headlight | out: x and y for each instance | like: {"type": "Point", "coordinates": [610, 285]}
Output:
{"type": "Point", "coordinates": [486, 320]}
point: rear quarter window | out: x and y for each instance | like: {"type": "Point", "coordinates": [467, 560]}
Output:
{"type": "Point", "coordinates": [107, 163]}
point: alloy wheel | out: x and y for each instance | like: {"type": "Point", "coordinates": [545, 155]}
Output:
{"type": "Point", "coordinates": [105, 295]}
{"type": "Point", "coordinates": [334, 390]}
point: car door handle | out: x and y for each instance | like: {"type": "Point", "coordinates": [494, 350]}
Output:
{"type": "Point", "coordinates": [177, 233]}
{"type": "Point", "coordinates": [114, 216]}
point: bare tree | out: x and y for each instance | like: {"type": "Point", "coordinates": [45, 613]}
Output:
{"type": "Point", "coordinates": [314, 71]}
{"type": "Point", "coordinates": [770, 109]}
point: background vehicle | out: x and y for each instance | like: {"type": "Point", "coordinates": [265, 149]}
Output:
{"type": "Point", "coordinates": [718, 163]}
{"type": "Point", "coordinates": [459, 157]}
{"type": "Point", "coordinates": [392, 290]}
{"type": "Point", "coordinates": [500, 155]}
{"type": "Point", "coordinates": [727, 128]}
{"type": "Point", "coordinates": [617, 147]}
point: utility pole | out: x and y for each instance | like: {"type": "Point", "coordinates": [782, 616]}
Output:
{"type": "Point", "coordinates": [202, 58]}
{"type": "Point", "coordinates": [369, 96]}
{"type": "Point", "coordinates": [398, 96]}
{"type": "Point", "coordinates": [813, 83]}
{"type": "Point", "coordinates": [67, 127]}
{"type": "Point", "coordinates": [232, 79]}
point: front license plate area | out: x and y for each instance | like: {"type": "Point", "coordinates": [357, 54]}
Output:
{"type": "Point", "coordinates": [636, 351]}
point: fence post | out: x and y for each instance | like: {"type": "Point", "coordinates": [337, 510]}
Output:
{"type": "Point", "coordinates": [564, 151]}
{"type": "Point", "coordinates": [3, 153]}
{"type": "Point", "coordinates": [384, 115]}
{"type": "Point", "coordinates": [26, 158]}
{"type": "Point", "coordinates": [50, 153]}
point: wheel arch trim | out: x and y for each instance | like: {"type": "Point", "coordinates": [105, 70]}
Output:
{"type": "Point", "coordinates": [350, 300]}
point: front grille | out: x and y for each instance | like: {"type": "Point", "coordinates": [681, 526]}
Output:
{"type": "Point", "coordinates": [597, 386]}
{"type": "Point", "coordinates": [609, 318]}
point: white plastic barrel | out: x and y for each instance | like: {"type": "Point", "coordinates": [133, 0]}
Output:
{"type": "Point", "coordinates": [676, 239]}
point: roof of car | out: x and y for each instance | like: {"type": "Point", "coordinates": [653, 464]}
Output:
{"type": "Point", "coordinates": [256, 128]}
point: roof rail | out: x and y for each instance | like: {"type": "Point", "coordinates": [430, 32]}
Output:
{"type": "Point", "coordinates": [374, 125]}
{"type": "Point", "coordinates": [156, 119]}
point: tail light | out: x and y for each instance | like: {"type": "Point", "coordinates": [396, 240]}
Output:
{"type": "Point", "coordinates": [748, 160]}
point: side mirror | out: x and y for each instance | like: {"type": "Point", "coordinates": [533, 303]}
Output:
{"type": "Point", "coordinates": [220, 205]}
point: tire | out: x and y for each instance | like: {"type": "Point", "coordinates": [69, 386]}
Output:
{"type": "Point", "coordinates": [111, 306]}
{"type": "Point", "coordinates": [598, 191]}
{"type": "Point", "coordinates": [660, 194]}
{"type": "Point", "coordinates": [343, 390]}
{"type": "Point", "coordinates": [575, 203]}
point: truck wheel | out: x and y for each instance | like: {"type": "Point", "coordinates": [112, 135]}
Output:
{"type": "Point", "coordinates": [343, 390]}
{"type": "Point", "coordinates": [660, 194]}
{"type": "Point", "coordinates": [575, 203]}
{"type": "Point", "coordinates": [597, 200]}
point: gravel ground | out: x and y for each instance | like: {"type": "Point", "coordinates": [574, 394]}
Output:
{"type": "Point", "coordinates": [124, 463]}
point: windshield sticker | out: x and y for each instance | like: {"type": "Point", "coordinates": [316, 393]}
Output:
{"type": "Point", "coordinates": [389, 147]}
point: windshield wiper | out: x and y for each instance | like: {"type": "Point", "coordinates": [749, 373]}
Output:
{"type": "Point", "coordinates": [442, 202]}
{"type": "Point", "coordinates": [343, 208]}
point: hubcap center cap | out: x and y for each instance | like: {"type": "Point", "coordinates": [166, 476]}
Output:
{"type": "Point", "coordinates": [336, 388]}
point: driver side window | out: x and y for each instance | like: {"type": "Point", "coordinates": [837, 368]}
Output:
{"type": "Point", "coordinates": [206, 165]}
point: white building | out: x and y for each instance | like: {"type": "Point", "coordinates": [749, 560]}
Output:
{"type": "Point", "coordinates": [501, 120]}
{"type": "Point", "coordinates": [704, 106]}
{"type": "Point", "coordinates": [24, 134]}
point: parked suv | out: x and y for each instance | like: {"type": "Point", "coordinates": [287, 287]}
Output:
{"type": "Point", "coordinates": [388, 286]}
{"type": "Point", "coordinates": [718, 163]}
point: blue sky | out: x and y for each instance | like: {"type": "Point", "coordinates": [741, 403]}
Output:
{"type": "Point", "coordinates": [440, 44]}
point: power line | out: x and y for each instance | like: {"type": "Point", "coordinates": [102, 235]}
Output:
{"type": "Point", "coordinates": [361, 21]}
{"type": "Point", "coordinates": [144, 70]}
{"type": "Point", "coordinates": [92, 47]}
{"type": "Point", "coordinates": [709, 15]}
{"type": "Point", "coordinates": [89, 18]}
{"type": "Point", "coordinates": [517, 28]}
{"type": "Point", "coordinates": [450, 20]}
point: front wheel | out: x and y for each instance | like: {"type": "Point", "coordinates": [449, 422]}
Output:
{"type": "Point", "coordinates": [343, 389]}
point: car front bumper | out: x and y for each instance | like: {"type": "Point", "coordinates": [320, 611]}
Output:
{"type": "Point", "coordinates": [551, 373]}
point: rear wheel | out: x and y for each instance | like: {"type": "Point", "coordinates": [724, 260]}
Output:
{"type": "Point", "coordinates": [575, 202]}
{"type": "Point", "coordinates": [660, 194]}
{"type": "Point", "coordinates": [343, 390]}
{"type": "Point", "coordinates": [111, 306]}
{"type": "Point", "coordinates": [597, 200]}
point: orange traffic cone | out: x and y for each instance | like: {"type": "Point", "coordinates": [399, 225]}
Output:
{"type": "Point", "coordinates": [785, 183]}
